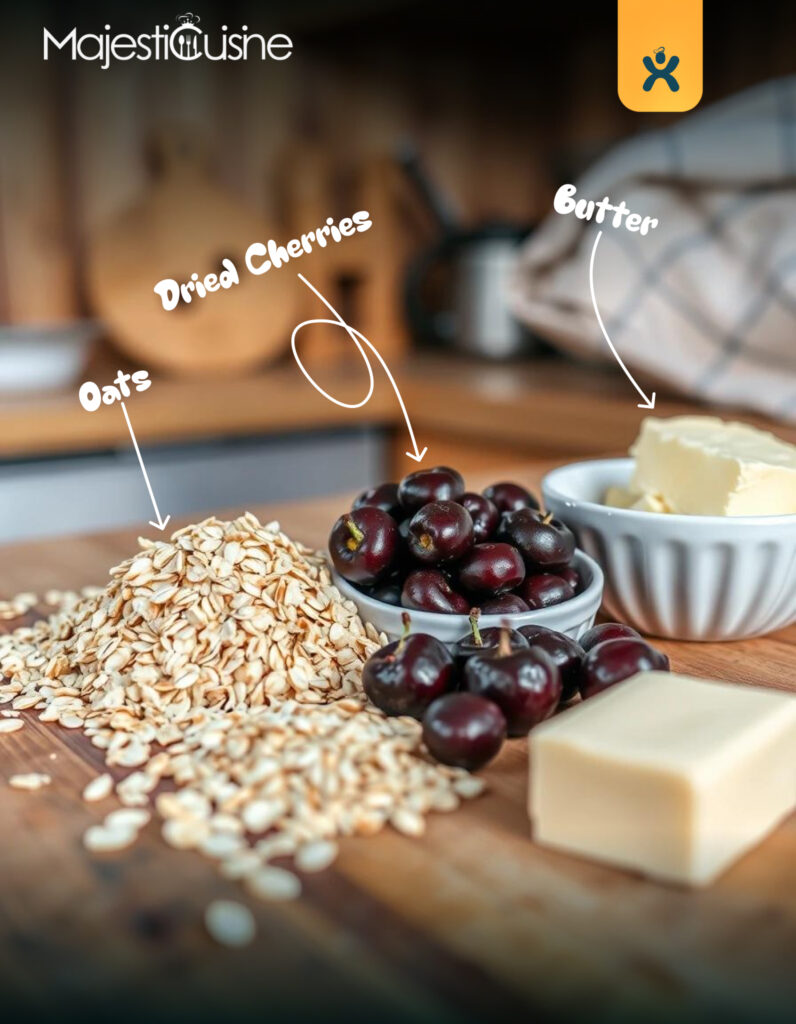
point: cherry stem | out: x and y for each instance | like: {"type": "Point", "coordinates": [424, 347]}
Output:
{"type": "Point", "coordinates": [504, 644]}
{"type": "Point", "coordinates": [407, 624]}
{"type": "Point", "coordinates": [548, 517]}
{"type": "Point", "coordinates": [355, 531]}
{"type": "Point", "coordinates": [475, 614]}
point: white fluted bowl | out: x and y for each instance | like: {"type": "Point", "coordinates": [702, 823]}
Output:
{"type": "Point", "coordinates": [572, 617]}
{"type": "Point", "coordinates": [683, 577]}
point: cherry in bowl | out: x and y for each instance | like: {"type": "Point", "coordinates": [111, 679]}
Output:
{"type": "Point", "coordinates": [484, 514]}
{"type": "Point", "coordinates": [425, 485]}
{"type": "Point", "coordinates": [429, 590]}
{"type": "Point", "coordinates": [441, 531]}
{"type": "Point", "coordinates": [491, 569]}
{"type": "Point", "coordinates": [545, 543]}
{"type": "Point", "coordinates": [364, 545]}
{"type": "Point", "coordinates": [384, 496]}
{"type": "Point", "coordinates": [508, 497]}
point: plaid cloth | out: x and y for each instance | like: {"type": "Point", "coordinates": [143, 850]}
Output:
{"type": "Point", "coordinates": [706, 302]}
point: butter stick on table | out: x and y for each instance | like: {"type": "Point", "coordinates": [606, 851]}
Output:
{"type": "Point", "coordinates": [663, 774]}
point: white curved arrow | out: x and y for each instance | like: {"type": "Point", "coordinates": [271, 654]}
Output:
{"type": "Point", "coordinates": [161, 523]}
{"type": "Point", "coordinates": [359, 340]}
{"type": "Point", "coordinates": [648, 403]}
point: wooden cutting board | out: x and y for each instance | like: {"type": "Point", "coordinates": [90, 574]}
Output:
{"type": "Point", "coordinates": [471, 922]}
{"type": "Point", "coordinates": [187, 223]}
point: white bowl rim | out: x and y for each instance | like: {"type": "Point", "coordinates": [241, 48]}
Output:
{"type": "Point", "coordinates": [641, 515]}
{"type": "Point", "coordinates": [581, 602]}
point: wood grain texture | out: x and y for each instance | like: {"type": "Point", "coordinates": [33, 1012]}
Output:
{"type": "Point", "coordinates": [473, 922]}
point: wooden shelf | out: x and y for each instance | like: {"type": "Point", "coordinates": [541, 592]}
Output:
{"type": "Point", "coordinates": [542, 406]}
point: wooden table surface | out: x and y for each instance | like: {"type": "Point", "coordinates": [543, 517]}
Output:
{"type": "Point", "coordinates": [472, 922]}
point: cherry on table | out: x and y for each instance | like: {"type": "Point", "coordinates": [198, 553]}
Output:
{"type": "Point", "coordinates": [614, 660]}
{"type": "Point", "coordinates": [525, 684]}
{"type": "Point", "coordinates": [484, 514]}
{"type": "Point", "coordinates": [565, 652]}
{"type": "Point", "coordinates": [508, 497]}
{"type": "Point", "coordinates": [441, 531]}
{"type": "Point", "coordinates": [491, 568]}
{"type": "Point", "coordinates": [438, 484]}
{"type": "Point", "coordinates": [482, 641]}
{"type": "Point", "coordinates": [544, 590]}
{"type": "Point", "coordinates": [363, 545]}
{"type": "Point", "coordinates": [406, 676]}
{"type": "Point", "coordinates": [428, 590]}
{"type": "Point", "coordinates": [504, 604]}
{"type": "Point", "coordinates": [544, 542]}
{"type": "Point", "coordinates": [385, 497]}
{"type": "Point", "coordinates": [607, 631]}
{"type": "Point", "coordinates": [464, 730]}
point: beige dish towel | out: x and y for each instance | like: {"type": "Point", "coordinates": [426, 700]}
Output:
{"type": "Point", "coordinates": [706, 302]}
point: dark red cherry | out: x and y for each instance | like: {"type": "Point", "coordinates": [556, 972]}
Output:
{"type": "Point", "coordinates": [491, 568]}
{"type": "Point", "coordinates": [545, 543]}
{"type": "Point", "coordinates": [388, 591]}
{"type": "Point", "coordinates": [525, 684]}
{"type": "Point", "coordinates": [614, 660]}
{"type": "Point", "coordinates": [504, 604]}
{"type": "Point", "coordinates": [571, 575]}
{"type": "Point", "coordinates": [544, 590]}
{"type": "Point", "coordinates": [428, 590]}
{"type": "Point", "coordinates": [464, 730]}
{"type": "Point", "coordinates": [508, 497]}
{"type": "Point", "coordinates": [607, 631]}
{"type": "Point", "coordinates": [385, 497]}
{"type": "Point", "coordinates": [425, 485]}
{"type": "Point", "coordinates": [483, 513]}
{"type": "Point", "coordinates": [441, 531]}
{"type": "Point", "coordinates": [565, 652]}
{"type": "Point", "coordinates": [364, 545]}
{"type": "Point", "coordinates": [404, 677]}
{"type": "Point", "coordinates": [482, 641]}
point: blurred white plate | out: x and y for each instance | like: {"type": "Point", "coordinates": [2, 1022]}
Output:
{"type": "Point", "coordinates": [44, 358]}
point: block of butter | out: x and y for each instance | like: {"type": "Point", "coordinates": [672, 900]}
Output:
{"type": "Point", "coordinates": [700, 465]}
{"type": "Point", "coordinates": [663, 774]}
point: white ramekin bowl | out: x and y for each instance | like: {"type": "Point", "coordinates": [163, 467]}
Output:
{"type": "Point", "coordinates": [572, 617]}
{"type": "Point", "coordinates": [684, 577]}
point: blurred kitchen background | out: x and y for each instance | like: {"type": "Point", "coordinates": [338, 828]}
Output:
{"type": "Point", "coordinates": [452, 125]}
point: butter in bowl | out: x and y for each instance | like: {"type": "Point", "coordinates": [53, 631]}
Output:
{"type": "Point", "coordinates": [696, 535]}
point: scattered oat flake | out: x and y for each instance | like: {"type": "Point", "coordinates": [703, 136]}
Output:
{"type": "Point", "coordinates": [31, 781]}
{"type": "Point", "coordinates": [127, 818]}
{"type": "Point", "coordinates": [11, 724]}
{"type": "Point", "coordinates": [316, 856]}
{"type": "Point", "coordinates": [99, 788]}
{"type": "Point", "coordinates": [102, 839]}
{"type": "Point", "coordinates": [270, 883]}
{"type": "Point", "coordinates": [230, 923]}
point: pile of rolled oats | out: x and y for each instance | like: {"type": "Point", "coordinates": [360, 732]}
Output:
{"type": "Point", "coordinates": [222, 669]}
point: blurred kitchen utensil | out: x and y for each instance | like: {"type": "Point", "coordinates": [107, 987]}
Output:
{"type": "Point", "coordinates": [474, 316]}
{"type": "Point", "coordinates": [44, 358]}
{"type": "Point", "coordinates": [187, 223]}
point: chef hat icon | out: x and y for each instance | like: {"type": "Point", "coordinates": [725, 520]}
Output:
{"type": "Point", "coordinates": [189, 19]}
